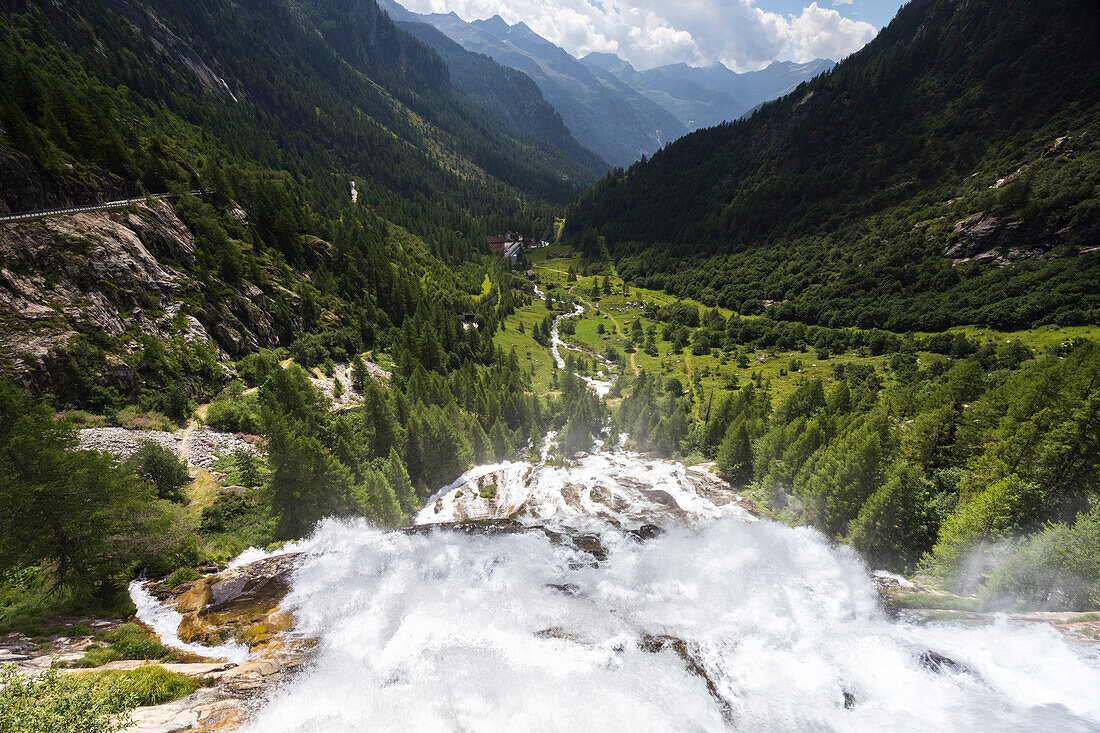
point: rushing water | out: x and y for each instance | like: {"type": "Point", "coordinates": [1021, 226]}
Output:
{"type": "Point", "coordinates": [718, 623]}
{"type": "Point", "coordinates": [165, 622]}
{"type": "Point", "coordinates": [449, 632]}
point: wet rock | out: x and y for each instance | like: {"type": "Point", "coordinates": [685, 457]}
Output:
{"type": "Point", "coordinates": [614, 502]}
{"type": "Point", "coordinates": [654, 643]}
{"type": "Point", "coordinates": [572, 494]}
{"type": "Point", "coordinates": [661, 498]}
{"type": "Point", "coordinates": [646, 532]}
{"type": "Point", "coordinates": [241, 604]}
{"type": "Point", "coordinates": [591, 544]}
{"type": "Point", "coordinates": [566, 589]}
{"type": "Point", "coordinates": [936, 662]}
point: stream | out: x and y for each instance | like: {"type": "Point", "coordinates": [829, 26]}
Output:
{"type": "Point", "coordinates": [639, 595]}
{"type": "Point", "coordinates": [600, 386]}
{"type": "Point", "coordinates": [717, 623]}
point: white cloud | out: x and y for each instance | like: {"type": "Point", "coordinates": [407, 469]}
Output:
{"type": "Point", "coordinates": [648, 33]}
{"type": "Point", "coordinates": [825, 33]}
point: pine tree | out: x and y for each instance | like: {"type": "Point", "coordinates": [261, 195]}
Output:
{"type": "Point", "coordinates": [359, 374]}
{"type": "Point", "coordinates": [381, 504]}
{"type": "Point", "coordinates": [735, 454]}
{"type": "Point", "coordinates": [503, 447]}
{"type": "Point", "coordinates": [399, 481]}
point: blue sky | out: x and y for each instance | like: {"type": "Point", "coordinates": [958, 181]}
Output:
{"type": "Point", "coordinates": [876, 12]}
{"type": "Point", "coordinates": [743, 34]}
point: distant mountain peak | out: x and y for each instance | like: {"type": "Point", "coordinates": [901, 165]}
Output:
{"type": "Point", "coordinates": [608, 61]}
{"type": "Point", "coordinates": [496, 25]}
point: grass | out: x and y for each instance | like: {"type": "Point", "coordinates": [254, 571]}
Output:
{"type": "Point", "coordinates": [1040, 338]}
{"type": "Point", "coordinates": [128, 641]}
{"type": "Point", "coordinates": [531, 355]}
{"type": "Point", "coordinates": [711, 373]}
{"type": "Point", "coordinates": [149, 685]}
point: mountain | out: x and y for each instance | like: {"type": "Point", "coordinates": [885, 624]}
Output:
{"type": "Point", "coordinates": [508, 93]}
{"type": "Point", "coordinates": [694, 105]}
{"type": "Point", "coordinates": [707, 96]}
{"type": "Point", "coordinates": [323, 174]}
{"type": "Point", "coordinates": [750, 88]}
{"type": "Point", "coordinates": [604, 114]}
{"type": "Point", "coordinates": [945, 174]}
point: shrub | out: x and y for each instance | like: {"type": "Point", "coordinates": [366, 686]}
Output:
{"type": "Point", "coordinates": [52, 701]}
{"type": "Point", "coordinates": [128, 641]}
{"type": "Point", "coordinates": [181, 576]}
{"type": "Point", "coordinates": [162, 468]}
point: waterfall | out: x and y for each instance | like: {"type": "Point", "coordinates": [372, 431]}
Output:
{"type": "Point", "coordinates": [726, 625]}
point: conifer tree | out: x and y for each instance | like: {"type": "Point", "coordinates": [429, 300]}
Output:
{"type": "Point", "coordinates": [399, 481]}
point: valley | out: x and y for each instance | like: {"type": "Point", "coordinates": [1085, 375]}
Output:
{"type": "Point", "coordinates": [365, 369]}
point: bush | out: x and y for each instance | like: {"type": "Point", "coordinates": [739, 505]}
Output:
{"type": "Point", "coordinates": [255, 368]}
{"type": "Point", "coordinates": [181, 576]}
{"type": "Point", "coordinates": [1057, 568]}
{"type": "Point", "coordinates": [128, 641]}
{"type": "Point", "coordinates": [224, 513]}
{"type": "Point", "coordinates": [176, 403]}
{"type": "Point", "coordinates": [56, 702]}
{"type": "Point", "coordinates": [162, 468]}
{"type": "Point", "coordinates": [233, 412]}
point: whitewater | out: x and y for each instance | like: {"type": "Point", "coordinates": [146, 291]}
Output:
{"type": "Point", "coordinates": [716, 623]}
{"type": "Point", "coordinates": [643, 596]}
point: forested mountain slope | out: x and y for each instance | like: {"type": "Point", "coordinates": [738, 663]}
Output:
{"type": "Point", "coordinates": [508, 93]}
{"type": "Point", "coordinates": [340, 179]}
{"type": "Point", "coordinates": [329, 196]}
{"type": "Point", "coordinates": [947, 173]}
{"type": "Point", "coordinates": [262, 79]}
{"type": "Point", "coordinates": [604, 114]}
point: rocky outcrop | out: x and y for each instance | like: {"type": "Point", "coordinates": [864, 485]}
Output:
{"type": "Point", "coordinates": [986, 239]}
{"type": "Point", "coordinates": [240, 604]}
{"type": "Point", "coordinates": [104, 275]}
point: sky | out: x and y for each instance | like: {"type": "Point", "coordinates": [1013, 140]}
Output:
{"type": "Point", "coordinates": [743, 34]}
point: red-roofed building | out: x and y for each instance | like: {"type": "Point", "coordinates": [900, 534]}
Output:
{"type": "Point", "coordinates": [496, 244]}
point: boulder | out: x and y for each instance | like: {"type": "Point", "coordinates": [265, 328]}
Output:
{"type": "Point", "coordinates": [241, 604]}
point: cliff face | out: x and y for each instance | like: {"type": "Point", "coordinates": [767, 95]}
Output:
{"type": "Point", "coordinates": [26, 187]}
{"type": "Point", "coordinates": [117, 280]}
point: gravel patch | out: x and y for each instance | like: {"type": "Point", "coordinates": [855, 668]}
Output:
{"type": "Point", "coordinates": [200, 448]}
{"type": "Point", "coordinates": [125, 443]}
{"type": "Point", "coordinates": [204, 446]}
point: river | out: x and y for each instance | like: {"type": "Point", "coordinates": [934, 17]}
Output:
{"type": "Point", "coordinates": [718, 623]}
{"type": "Point", "coordinates": [644, 597]}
